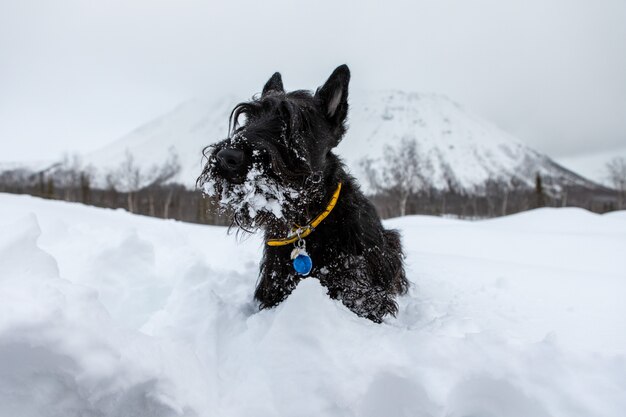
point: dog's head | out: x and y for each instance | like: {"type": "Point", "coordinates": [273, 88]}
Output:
{"type": "Point", "coordinates": [275, 157]}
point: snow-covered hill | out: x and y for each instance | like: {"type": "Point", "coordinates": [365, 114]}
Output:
{"type": "Point", "coordinates": [186, 130]}
{"type": "Point", "coordinates": [104, 313]}
{"type": "Point", "coordinates": [460, 147]}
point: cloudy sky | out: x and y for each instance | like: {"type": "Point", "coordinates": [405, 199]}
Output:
{"type": "Point", "coordinates": [77, 74]}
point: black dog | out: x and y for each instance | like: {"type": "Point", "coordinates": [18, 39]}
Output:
{"type": "Point", "coordinates": [276, 171]}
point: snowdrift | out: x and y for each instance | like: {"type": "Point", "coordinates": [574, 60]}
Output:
{"type": "Point", "coordinates": [103, 313]}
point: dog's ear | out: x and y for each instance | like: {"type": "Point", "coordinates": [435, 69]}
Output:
{"type": "Point", "coordinates": [333, 97]}
{"type": "Point", "coordinates": [274, 84]}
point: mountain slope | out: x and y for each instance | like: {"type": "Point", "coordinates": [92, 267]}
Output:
{"type": "Point", "coordinates": [186, 130]}
{"type": "Point", "coordinates": [460, 147]}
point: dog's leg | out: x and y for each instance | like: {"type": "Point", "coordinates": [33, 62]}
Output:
{"type": "Point", "coordinates": [277, 279]}
{"type": "Point", "coordinates": [391, 269]}
{"type": "Point", "coordinates": [352, 286]}
{"type": "Point", "coordinates": [373, 303]}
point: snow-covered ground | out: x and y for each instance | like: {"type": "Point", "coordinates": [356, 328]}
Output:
{"type": "Point", "coordinates": [103, 313]}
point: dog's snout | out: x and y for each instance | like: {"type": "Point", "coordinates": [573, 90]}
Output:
{"type": "Point", "coordinates": [231, 159]}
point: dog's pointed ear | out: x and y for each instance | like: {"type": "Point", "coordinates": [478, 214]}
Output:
{"type": "Point", "coordinates": [275, 84]}
{"type": "Point", "coordinates": [333, 97]}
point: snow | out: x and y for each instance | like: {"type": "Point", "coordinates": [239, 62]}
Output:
{"type": "Point", "coordinates": [107, 313]}
{"type": "Point", "coordinates": [457, 144]}
{"type": "Point", "coordinates": [255, 195]}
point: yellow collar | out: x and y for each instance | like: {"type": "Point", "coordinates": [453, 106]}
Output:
{"type": "Point", "coordinates": [301, 232]}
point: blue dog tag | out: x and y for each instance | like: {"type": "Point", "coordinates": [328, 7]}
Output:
{"type": "Point", "coordinates": [302, 262]}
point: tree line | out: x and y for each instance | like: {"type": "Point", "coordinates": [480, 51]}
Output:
{"type": "Point", "coordinates": [147, 191]}
{"type": "Point", "coordinates": [400, 184]}
{"type": "Point", "coordinates": [397, 187]}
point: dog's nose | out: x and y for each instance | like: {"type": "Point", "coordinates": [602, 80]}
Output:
{"type": "Point", "coordinates": [230, 159]}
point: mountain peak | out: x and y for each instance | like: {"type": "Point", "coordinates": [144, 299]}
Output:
{"type": "Point", "coordinates": [456, 143]}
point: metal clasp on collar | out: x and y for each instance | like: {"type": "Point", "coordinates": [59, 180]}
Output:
{"type": "Point", "coordinates": [298, 231]}
{"type": "Point", "coordinates": [314, 178]}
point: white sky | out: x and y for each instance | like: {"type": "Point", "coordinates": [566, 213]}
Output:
{"type": "Point", "coordinates": [77, 74]}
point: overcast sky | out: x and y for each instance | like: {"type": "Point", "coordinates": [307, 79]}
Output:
{"type": "Point", "coordinates": [77, 74]}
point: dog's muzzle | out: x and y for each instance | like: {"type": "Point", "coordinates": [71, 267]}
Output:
{"type": "Point", "coordinates": [232, 163]}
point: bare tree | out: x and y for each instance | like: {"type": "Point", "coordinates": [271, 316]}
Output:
{"type": "Point", "coordinates": [129, 179]}
{"type": "Point", "coordinates": [67, 175]}
{"type": "Point", "coordinates": [162, 175]}
{"type": "Point", "coordinates": [86, 177]}
{"type": "Point", "coordinates": [511, 187]}
{"type": "Point", "coordinates": [506, 189]}
{"type": "Point", "coordinates": [371, 174]}
{"type": "Point", "coordinates": [494, 190]}
{"type": "Point", "coordinates": [403, 172]}
{"type": "Point", "coordinates": [616, 169]}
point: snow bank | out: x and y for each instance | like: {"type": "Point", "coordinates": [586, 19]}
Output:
{"type": "Point", "coordinates": [61, 354]}
{"type": "Point", "coordinates": [106, 313]}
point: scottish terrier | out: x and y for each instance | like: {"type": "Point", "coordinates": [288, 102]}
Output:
{"type": "Point", "coordinates": [277, 172]}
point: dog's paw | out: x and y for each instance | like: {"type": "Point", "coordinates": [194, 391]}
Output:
{"type": "Point", "coordinates": [379, 308]}
{"type": "Point", "coordinates": [373, 305]}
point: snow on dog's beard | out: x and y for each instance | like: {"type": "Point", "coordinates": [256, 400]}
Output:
{"type": "Point", "coordinates": [255, 202]}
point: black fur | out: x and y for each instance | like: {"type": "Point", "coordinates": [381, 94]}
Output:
{"type": "Point", "coordinates": [282, 152]}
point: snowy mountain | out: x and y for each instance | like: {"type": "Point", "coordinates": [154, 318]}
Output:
{"type": "Point", "coordinates": [186, 130]}
{"type": "Point", "coordinates": [105, 313]}
{"type": "Point", "coordinates": [460, 148]}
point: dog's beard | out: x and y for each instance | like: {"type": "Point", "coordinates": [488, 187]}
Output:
{"type": "Point", "coordinates": [257, 201]}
